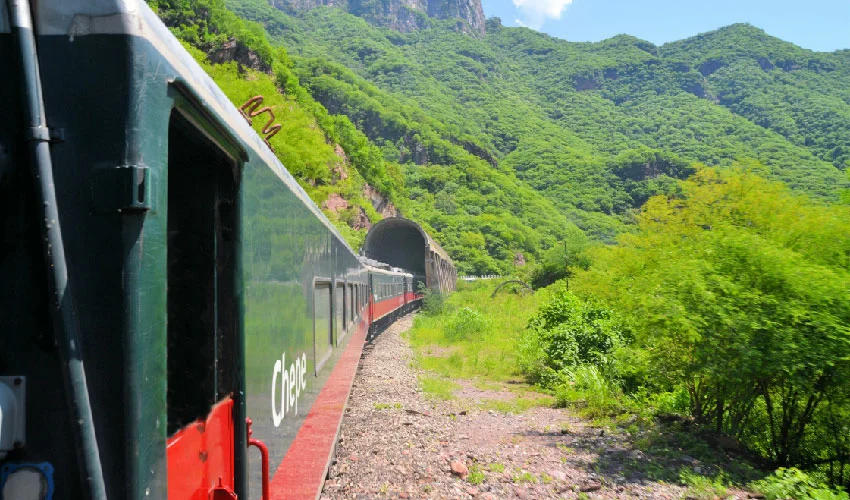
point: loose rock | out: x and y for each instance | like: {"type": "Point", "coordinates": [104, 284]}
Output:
{"type": "Point", "coordinates": [460, 470]}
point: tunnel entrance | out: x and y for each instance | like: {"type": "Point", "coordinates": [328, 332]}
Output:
{"type": "Point", "coordinates": [398, 242]}
{"type": "Point", "coordinates": [402, 243]}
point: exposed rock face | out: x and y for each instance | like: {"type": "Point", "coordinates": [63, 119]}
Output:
{"type": "Point", "coordinates": [380, 202]}
{"type": "Point", "coordinates": [413, 150]}
{"type": "Point", "coordinates": [233, 50]}
{"type": "Point", "coordinates": [519, 259]}
{"type": "Point", "coordinates": [335, 203]}
{"type": "Point", "coordinates": [360, 220]}
{"type": "Point", "coordinates": [340, 169]}
{"type": "Point", "coordinates": [469, 11]}
{"type": "Point", "coordinates": [402, 15]}
{"type": "Point", "coordinates": [307, 4]}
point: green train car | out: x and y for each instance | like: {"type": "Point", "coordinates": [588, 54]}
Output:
{"type": "Point", "coordinates": [163, 279]}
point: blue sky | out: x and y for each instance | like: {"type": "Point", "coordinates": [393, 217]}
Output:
{"type": "Point", "coordinates": [822, 25]}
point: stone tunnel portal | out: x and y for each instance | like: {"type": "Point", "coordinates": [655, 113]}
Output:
{"type": "Point", "coordinates": [399, 243]}
{"type": "Point", "coordinates": [402, 243]}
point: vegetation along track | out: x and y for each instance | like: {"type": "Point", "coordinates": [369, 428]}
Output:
{"type": "Point", "coordinates": [399, 442]}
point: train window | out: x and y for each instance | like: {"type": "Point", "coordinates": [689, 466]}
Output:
{"type": "Point", "coordinates": [202, 319]}
{"type": "Point", "coordinates": [350, 304]}
{"type": "Point", "coordinates": [322, 325]}
{"type": "Point", "coordinates": [340, 310]}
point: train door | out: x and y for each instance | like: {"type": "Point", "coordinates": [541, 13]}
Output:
{"type": "Point", "coordinates": [203, 333]}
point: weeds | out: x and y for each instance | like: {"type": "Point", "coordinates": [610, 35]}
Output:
{"type": "Point", "coordinates": [525, 477]}
{"type": "Point", "coordinates": [794, 483]}
{"type": "Point", "coordinates": [387, 406]}
{"type": "Point", "coordinates": [476, 475]}
{"type": "Point", "coordinates": [438, 387]}
{"type": "Point", "coordinates": [473, 336]}
{"type": "Point", "coordinates": [518, 404]}
{"type": "Point", "coordinates": [701, 487]}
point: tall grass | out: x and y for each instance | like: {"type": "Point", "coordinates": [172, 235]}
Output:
{"type": "Point", "coordinates": [473, 335]}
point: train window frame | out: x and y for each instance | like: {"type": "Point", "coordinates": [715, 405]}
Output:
{"type": "Point", "coordinates": [322, 283]}
{"type": "Point", "coordinates": [350, 304]}
{"type": "Point", "coordinates": [339, 313]}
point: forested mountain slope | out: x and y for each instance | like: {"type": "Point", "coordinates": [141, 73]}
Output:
{"type": "Point", "coordinates": [485, 218]}
{"type": "Point", "coordinates": [499, 140]}
{"type": "Point", "coordinates": [596, 127]}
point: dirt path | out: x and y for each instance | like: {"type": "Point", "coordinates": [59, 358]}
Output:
{"type": "Point", "coordinates": [397, 443]}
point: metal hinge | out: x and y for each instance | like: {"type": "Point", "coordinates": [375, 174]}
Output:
{"type": "Point", "coordinates": [125, 188]}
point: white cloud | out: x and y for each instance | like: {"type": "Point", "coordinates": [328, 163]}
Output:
{"type": "Point", "coordinates": [534, 12]}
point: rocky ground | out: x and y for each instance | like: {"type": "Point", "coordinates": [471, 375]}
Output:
{"type": "Point", "coordinates": [396, 442]}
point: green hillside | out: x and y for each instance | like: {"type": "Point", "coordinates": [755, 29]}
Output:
{"type": "Point", "coordinates": [596, 127]}
{"type": "Point", "coordinates": [503, 144]}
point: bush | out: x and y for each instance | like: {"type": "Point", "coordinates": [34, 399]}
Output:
{"type": "Point", "coordinates": [588, 386]}
{"type": "Point", "coordinates": [794, 483]}
{"type": "Point", "coordinates": [433, 303]}
{"type": "Point", "coordinates": [567, 333]}
{"type": "Point", "coordinates": [466, 324]}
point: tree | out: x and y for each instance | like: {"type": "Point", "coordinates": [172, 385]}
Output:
{"type": "Point", "coordinates": [738, 291]}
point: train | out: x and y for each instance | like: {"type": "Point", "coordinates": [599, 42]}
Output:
{"type": "Point", "coordinates": [177, 318]}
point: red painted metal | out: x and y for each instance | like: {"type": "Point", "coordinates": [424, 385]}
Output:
{"type": "Point", "coordinates": [221, 492]}
{"type": "Point", "coordinates": [200, 456]}
{"type": "Point", "coordinates": [302, 472]}
{"type": "Point", "coordinates": [264, 457]}
{"type": "Point", "coordinates": [386, 306]}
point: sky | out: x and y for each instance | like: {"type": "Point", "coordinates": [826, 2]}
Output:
{"type": "Point", "coordinates": [821, 25]}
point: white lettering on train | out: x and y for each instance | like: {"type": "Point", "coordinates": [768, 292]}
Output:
{"type": "Point", "coordinates": [293, 381]}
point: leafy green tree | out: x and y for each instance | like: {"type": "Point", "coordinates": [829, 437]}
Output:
{"type": "Point", "coordinates": [738, 291]}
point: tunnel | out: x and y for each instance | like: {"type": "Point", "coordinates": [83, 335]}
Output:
{"type": "Point", "coordinates": [402, 243]}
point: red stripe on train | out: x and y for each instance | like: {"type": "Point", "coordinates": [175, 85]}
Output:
{"type": "Point", "coordinates": [386, 306]}
{"type": "Point", "coordinates": [302, 472]}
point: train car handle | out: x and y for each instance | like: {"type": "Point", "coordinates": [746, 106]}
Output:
{"type": "Point", "coordinates": [264, 454]}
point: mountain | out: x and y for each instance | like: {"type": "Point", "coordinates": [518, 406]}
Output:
{"type": "Point", "coordinates": [502, 140]}
{"type": "Point", "coordinates": [467, 16]}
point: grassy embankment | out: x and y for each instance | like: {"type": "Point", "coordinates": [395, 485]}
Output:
{"type": "Point", "coordinates": [469, 340]}
{"type": "Point", "coordinates": [470, 346]}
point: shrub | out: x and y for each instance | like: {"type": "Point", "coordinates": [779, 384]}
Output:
{"type": "Point", "coordinates": [794, 483]}
{"type": "Point", "coordinates": [587, 386]}
{"type": "Point", "coordinates": [566, 333]}
{"type": "Point", "coordinates": [466, 324]}
{"type": "Point", "coordinates": [433, 302]}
